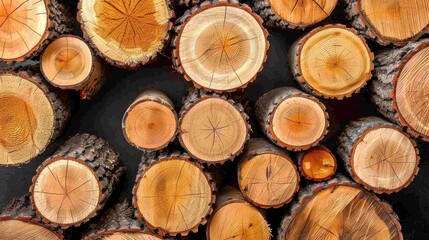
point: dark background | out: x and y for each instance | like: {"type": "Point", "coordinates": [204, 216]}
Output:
{"type": "Point", "coordinates": [103, 114]}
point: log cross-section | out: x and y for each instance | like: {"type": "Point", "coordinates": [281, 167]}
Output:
{"type": "Point", "coordinates": [317, 164]}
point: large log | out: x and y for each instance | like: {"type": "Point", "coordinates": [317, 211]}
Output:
{"type": "Point", "coordinates": [401, 85]}
{"type": "Point", "coordinates": [378, 154]}
{"type": "Point", "coordinates": [32, 115]}
{"type": "Point", "coordinates": [291, 118]}
{"type": "Point", "coordinates": [72, 185]}
{"type": "Point", "coordinates": [220, 45]}
{"type": "Point", "coordinates": [331, 61]}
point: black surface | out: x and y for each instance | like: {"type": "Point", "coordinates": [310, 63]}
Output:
{"type": "Point", "coordinates": [102, 116]}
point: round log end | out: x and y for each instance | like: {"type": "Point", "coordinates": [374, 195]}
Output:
{"type": "Point", "coordinates": [121, 234]}
{"type": "Point", "coordinates": [318, 164]}
{"type": "Point", "coordinates": [23, 229]}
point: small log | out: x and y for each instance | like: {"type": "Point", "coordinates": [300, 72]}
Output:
{"type": "Point", "coordinates": [70, 187]}
{"type": "Point", "coordinates": [150, 123]}
{"type": "Point", "coordinates": [291, 118]}
{"type": "Point", "coordinates": [128, 34]}
{"type": "Point", "coordinates": [18, 222]}
{"type": "Point", "coordinates": [339, 209]}
{"type": "Point", "coordinates": [293, 14]}
{"type": "Point", "coordinates": [223, 54]}
{"type": "Point", "coordinates": [69, 63]}
{"type": "Point", "coordinates": [400, 87]}
{"type": "Point", "coordinates": [389, 22]}
{"type": "Point", "coordinates": [32, 115]}
{"type": "Point", "coordinates": [378, 155]}
{"type": "Point", "coordinates": [118, 223]}
{"type": "Point", "coordinates": [331, 61]}
{"type": "Point", "coordinates": [267, 176]}
{"type": "Point", "coordinates": [212, 128]}
{"type": "Point", "coordinates": [27, 27]}
{"type": "Point", "coordinates": [234, 217]}
{"type": "Point", "coordinates": [317, 163]}
{"type": "Point", "coordinates": [173, 194]}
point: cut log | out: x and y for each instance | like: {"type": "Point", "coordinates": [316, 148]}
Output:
{"type": "Point", "coordinates": [267, 177]}
{"type": "Point", "coordinates": [291, 118]}
{"type": "Point", "coordinates": [27, 26]}
{"type": "Point", "coordinates": [19, 222]}
{"type": "Point", "coordinates": [235, 218]}
{"type": "Point", "coordinates": [71, 187]}
{"type": "Point", "coordinates": [339, 209]}
{"type": "Point", "coordinates": [293, 14]}
{"type": "Point", "coordinates": [401, 86]}
{"type": "Point", "coordinates": [212, 127]}
{"type": "Point", "coordinates": [331, 61]}
{"type": "Point", "coordinates": [220, 45]}
{"type": "Point", "coordinates": [389, 22]}
{"type": "Point", "coordinates": [378, 155]}
{"type": "Point", "coordinates": [150, 123]}
{"type": "Point", "coordinates": [118, 223]}
{"type": "Point", "coordinates": [173, 194]}
{"type": "Point", "coordinates": [32, 115]}
{"type": "Point", "coordinates": [317, 164]}
{"type": "Point", "coordinates": [185, 3]}
{"type": "Point", "coordinates": [69, 63]}
{"type": "Point", "coordinates": [128, 34]}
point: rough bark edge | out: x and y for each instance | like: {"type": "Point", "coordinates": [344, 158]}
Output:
{"type": "Point", "coordinates": [295, 59]}
{"type": "Point", "coordinates": [58, 22]}
{"type": "Point", "coordinates": [135, 65]}
{"type": "Point", "coordinates": [150, 159]}
{"type": "Point", "coordinates": [301, 156]}
{"type": "Point", "coordinates": [307, 193]}
{"type": "Point", "coordinates": [354, 133]}
{"type": "Point", "coordinates": [251, 150]}
{"type": "Point", "coordinates": [185, 3]}
{"type": "Point", "coordinates": [267, 104]}
{"type": "Point", "coordinates": [20, 209]}
{"type": "Point", "coordinates": [100, 158]}
{"type": "Point", "coordinates": [389, 65]}
{"type": "Point", "coordinates": [360, 22]}
{"type": "Point", "coordinates": [263, 8]}
{"type": "Point", "coordinates": [187, 16]}
{"type": "Point", "coordinates": [154, 96]}
{"type": "Point", "coordinates": [59, 100]}
{"type": "Point", "coordinates": [196, 96]}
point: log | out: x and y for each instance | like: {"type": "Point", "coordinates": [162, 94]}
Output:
{"type": "Point", "coordinates": [267, 176]}
{"type": "Point", "coordinates": [33, 114]}
{"type": "Point", "coordinates": [150, 122]}
{"type": "Point", "coordinates": [69, 63]}
{"type": "Point", "coordinates": [223, 54]}
{"type": "Point", "coordinates": [19, 222]}
{"type": "Point", "coordinates": [400, 87]}
{"type": "Point", "coordinates": [378, 155]}
{"type": "Point", "coordinates": [233, 217]}
{"type": "Point", "coordinates": [118, 223]}
{"type": "Point", "coordinates": [173, 194]}
{"type": "Point", "coordinates": [127, 34]}
{"type": "Point", "coordinates": [28, 26]}
{"type": "Point", "coordinates": [331, 61]}
{"type": "Point", "coordinates": [339, 209]}
{"type": "Point", "coordinates": [294, 14]}
{"type": "Point", "coordinates": [389, 22]}
{"type": "Point", "coordinates": [291, 118]}
{"type": "Point", "coordinates": [72, 185]}
{"type": "Point", "coordinates": [212, 128]}
{"type": "Point", "coordinates": [317, 163]}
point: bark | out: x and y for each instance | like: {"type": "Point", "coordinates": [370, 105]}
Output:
{"type": "Point", "coordinates": [300, 158]}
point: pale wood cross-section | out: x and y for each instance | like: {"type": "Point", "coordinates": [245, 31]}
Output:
{"type": "Point", "coordinates": [129, 236]}
{"type": "Point", "coordinates": [23, 230]}
{"type": "Point", "coordinates": [317, 163]}
{"type": "Point", "coordinates": [221, 46]}
{"type": "Point", "coordinates": [127, 34]}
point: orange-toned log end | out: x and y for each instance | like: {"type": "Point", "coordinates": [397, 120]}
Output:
{"type": "Point", "coordinates": [23, 230]}
{"type": "Point", "coordinates": [26, 119]}
{"type": "Point", "coordinates": [126, 33]}
{"type": "Point", "coordinates": [123, 235]}
{"type": "Point", "coordinates": [65, 192]}
{"type": "Point", "coordinates": [225, 53]}
{"type": "Point", "coordinates": [173, 196]}
{"type": "Point", "coordinates": [213, 130]}
{"type": "Point", "coordinates": [340, 211]}
{"type": "Point", "coordinates": [318, 164]}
